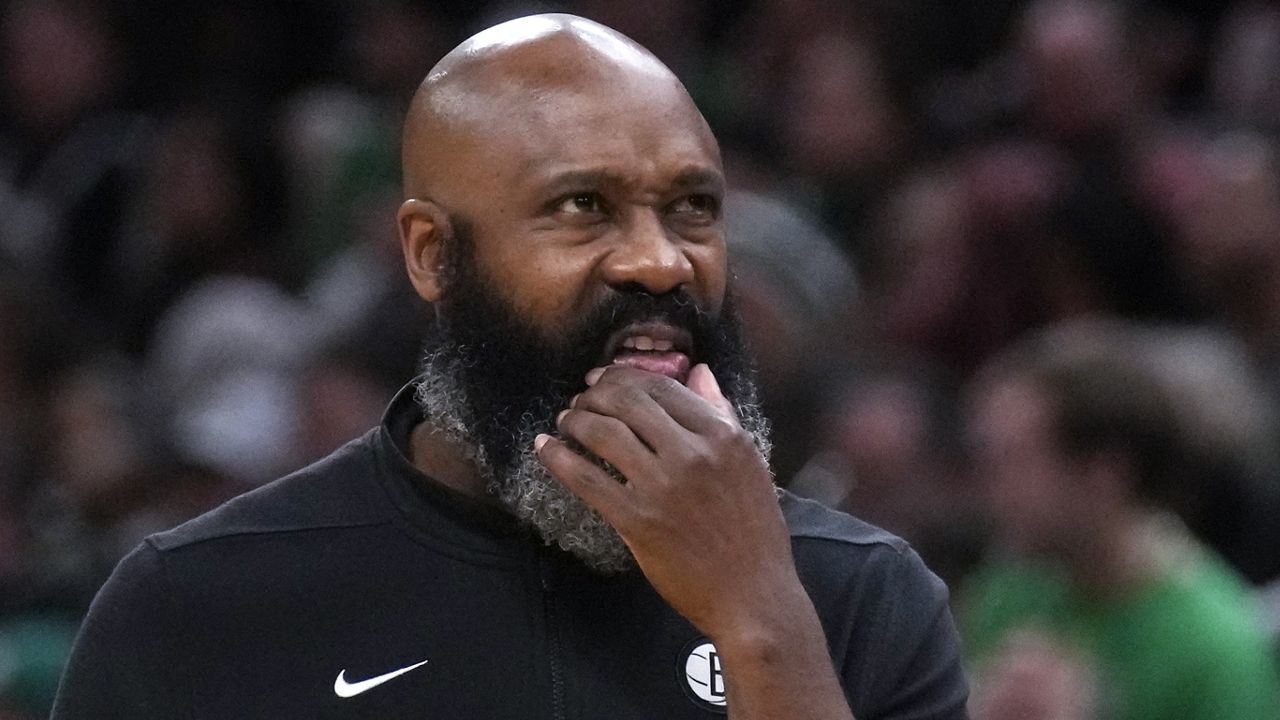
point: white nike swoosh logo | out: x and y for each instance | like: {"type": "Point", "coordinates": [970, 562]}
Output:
{"type": "Point", "coordinates": [344, 689]}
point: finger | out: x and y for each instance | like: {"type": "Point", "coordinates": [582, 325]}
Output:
{"type": "Point", "coordinates": [686, 407]}
{"type": "Point", "coordinates": [636, 408]}
{"type": "Point", "coordinates": [703, 383]}
{"type": "Point", "coordinates": [585, 479]}
{"type": "Point", "coordinates": [610, 439]}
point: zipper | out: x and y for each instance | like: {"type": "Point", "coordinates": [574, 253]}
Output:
{"type": "Point", "coordinates": [553, 639]}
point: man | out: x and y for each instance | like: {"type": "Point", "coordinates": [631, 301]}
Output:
{"type": "Point", "coordinates": [570, 513]}
{"type": "Point", "coordinates": [1097, 603]}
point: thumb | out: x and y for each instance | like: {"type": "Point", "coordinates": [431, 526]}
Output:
{"type": "Point", "coordinates": [704, 385]}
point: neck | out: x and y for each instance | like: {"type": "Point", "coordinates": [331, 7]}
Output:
{"type": "Point", "coordinates": [445, 462]}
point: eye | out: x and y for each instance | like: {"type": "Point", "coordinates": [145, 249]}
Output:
{"type": "Point", "coordinates": [586, 203]}
{"type": "Point", "coordinates": [701, 207]}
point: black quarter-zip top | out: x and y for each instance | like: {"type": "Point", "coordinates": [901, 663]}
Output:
{"type": "Point", "coordinates": [358, 588]}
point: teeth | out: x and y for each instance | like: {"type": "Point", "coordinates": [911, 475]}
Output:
{"type": "Point", "coordinates": [644, 343]}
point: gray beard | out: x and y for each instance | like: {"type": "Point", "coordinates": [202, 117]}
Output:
{"type": "Point", "coordinates": [527, 489]}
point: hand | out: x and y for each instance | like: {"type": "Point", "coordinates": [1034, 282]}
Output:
{"type": "Point", "coordinates": [698, 509]}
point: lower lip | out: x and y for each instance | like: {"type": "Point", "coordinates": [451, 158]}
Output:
{"type": "Point", "coordinates": [674, 365]}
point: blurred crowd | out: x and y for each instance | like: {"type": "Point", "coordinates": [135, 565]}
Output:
{"type": "Point", "coordinates": [201, 289]}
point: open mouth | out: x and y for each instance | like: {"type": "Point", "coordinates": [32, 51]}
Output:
{"type": "Point", "coordinates": [655, 346]}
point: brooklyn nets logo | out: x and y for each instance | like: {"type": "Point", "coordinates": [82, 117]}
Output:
{"type": "Point", "coordinates": [702, 676]}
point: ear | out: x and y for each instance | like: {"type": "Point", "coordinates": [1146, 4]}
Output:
{"type": "Point", "coordinates": [424, 227]}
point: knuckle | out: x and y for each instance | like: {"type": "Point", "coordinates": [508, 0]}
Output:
{"type": "Point", "coordinates": [725, 445]}
{"type": "Point", "coordinates": [644, 521]}
{"type": "Point", "coordinates": [582, 476]}
{"type": "Point", "coordinates": [568, 466]}
{"type": "Point", "coordinates": [724, 431]}
{"type": "Point", "coordinates": [630, 396]}
{"type": "Point", "coordinates": [701, 460]}
{"type": "Point", "coordinates": [613, 374]}
{"type": "Point", "coordinates": [741, 441]}
{"type": "Point", "coordinates": [606, 397]}
{"type": "Point", "coordinates": [555, 452]}
{"type": "Point", "coordinates": [590, 428]}
{"type": "Point", "coordinates": [661, 387]}
{"type": "Point", "coordinates": [635, 379]}
{"type": "Point", "coordinates": [555, 457]}
{"type": "Point", "coordinates": [569, 419]}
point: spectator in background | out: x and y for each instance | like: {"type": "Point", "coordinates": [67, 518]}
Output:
{"type": "Point", "coordinates": [839, 126]}
{"type": "Point", "coordinates": [796, 289]}
{"type": "Point", "coordinates": [1101, 249]}
{"type": "Point", "coordinates": [1245, 70]}
{"type": "Point", "coordinates": [1095, 602]}
{"type": "Point", "coordinates": [225, 360]}
{"type": "Point", "coordinates": [207, 205]}
{"type": "Point", "coordinates": [68, 153]}
{"type": "Point", "coordinates": [958, 267]}
{"type": "Point", "coordinates": [339, 396]}
{"type": "Point", "coordinates": [1226, 229]}
{"type": "Point", "coordinates": [1082, 86]}
{"type": "Point", "coordinates": [341, 137]}
{"type": "Point", "coordinates": [1227, 422]}
{"type": "Point", "coordinates": [808, 91]}
{"type": "Point", "coordinates": [888, 454]}
{"type": "Point", "coordinates": [919, 274]}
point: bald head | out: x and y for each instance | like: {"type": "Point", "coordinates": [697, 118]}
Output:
{"type": "Point", "coordinates": [571, 156]}
{"type": "Point", "coordinates": [517, 79]}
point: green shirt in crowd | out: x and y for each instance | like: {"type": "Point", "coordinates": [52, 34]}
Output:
{"type": "Point", "coordinates": [1189, 646]}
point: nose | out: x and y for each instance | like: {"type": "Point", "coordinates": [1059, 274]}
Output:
{"type": "Point", "coordinates": [647, 256]}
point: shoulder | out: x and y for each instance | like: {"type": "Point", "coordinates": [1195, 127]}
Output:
{"type": "Point", "coordinates": [854, 569]}
{"type": "Point", "coordinates": [886, 615]}
{"type": "Point", "coordinates": [341, 490]}
{"type": "Point", "coordinates": [808, 519]}
{"type": "Point", "coordinates": [841, 547]}
{"type": "Point", "coordinates": [836, 543]}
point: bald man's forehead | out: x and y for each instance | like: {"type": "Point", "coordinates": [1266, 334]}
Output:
{"type": "Point", "coordinates": [560, 95]}
{"type": "Point", "coordinates": [532, 136]}
{"type": "Point", "coordinates": [546, 89]}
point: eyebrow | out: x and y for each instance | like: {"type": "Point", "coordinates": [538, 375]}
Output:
{"type": "Point", "coordinates": [699, 177]}
{"type": "Point", "coordinates": [687, 178]}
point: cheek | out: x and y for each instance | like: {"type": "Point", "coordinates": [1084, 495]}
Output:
{"type": "Point", "coordinates": [544, 286]}
{"type": "Point", "coordinates": [710, 273]}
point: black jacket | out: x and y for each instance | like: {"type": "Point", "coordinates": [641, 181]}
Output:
{"type": "Point", "coordinates": [361, 566]}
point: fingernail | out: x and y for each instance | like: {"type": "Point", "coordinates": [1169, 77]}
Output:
{"type": "Point", "coordinates": [573, 401]}
{"type": "Point", "coordinates": [561, 416]}
{"type": "Point", "coordinates": [539, 441]}
{"type": "Point", "coordinates": [594, 375]}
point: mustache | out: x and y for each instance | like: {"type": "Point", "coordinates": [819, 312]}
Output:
{"type": "Point", "coordinates": [630, 306]}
